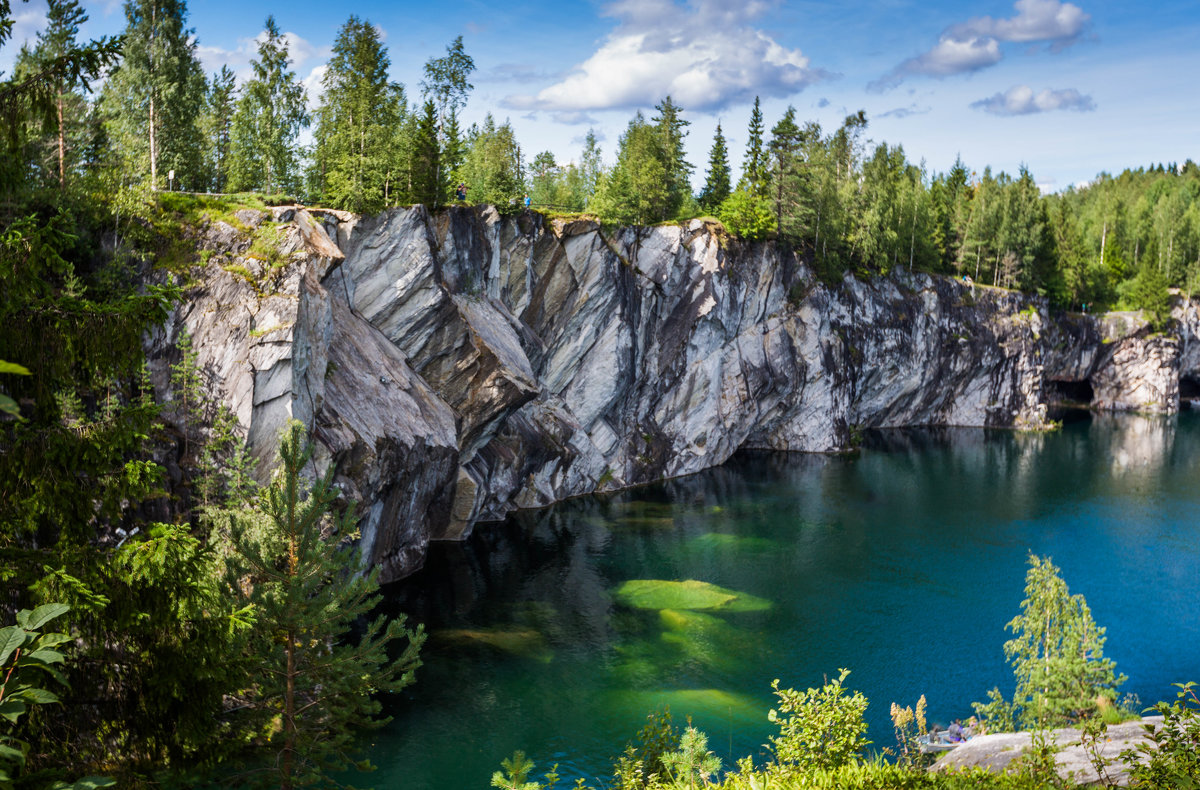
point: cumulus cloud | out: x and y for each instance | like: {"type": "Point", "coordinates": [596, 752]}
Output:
{"type": "Point", "coordinates": [300, 51]}
{"type": "Point", "coordinates": [705, 55]}
{"type": "Point", "coordinates": [1021, 100]}
{"type": "Point", "coordinates": [975, 44]}
{"type": "Point", "coordinates": [1036, 20]}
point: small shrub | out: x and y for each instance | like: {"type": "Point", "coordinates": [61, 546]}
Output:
{"type": "Point", "coordinates": [819, 728]}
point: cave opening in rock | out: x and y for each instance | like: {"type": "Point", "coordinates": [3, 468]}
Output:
{"type": "Point", "coordinates": [1073, 392]}
{"type": "Point", "coordinates": [1189, 392]}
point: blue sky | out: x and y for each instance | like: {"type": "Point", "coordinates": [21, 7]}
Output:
{"type": "Point", "coordinates": [1069, 89]}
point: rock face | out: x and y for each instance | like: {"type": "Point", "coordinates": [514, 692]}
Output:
{"type": "Point", "coordinates": [998, 752]}
{"type": "Point", "coordinates": [459, 365]}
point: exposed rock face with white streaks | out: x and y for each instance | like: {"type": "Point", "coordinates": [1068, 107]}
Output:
{"type": "Point", "coordinates": [460, 365]}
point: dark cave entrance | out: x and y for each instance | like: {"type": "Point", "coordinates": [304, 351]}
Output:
{"type": "Point", "coordinates": [1189, 392]}
{"type": "Point", "coordinates": [1074, 393]}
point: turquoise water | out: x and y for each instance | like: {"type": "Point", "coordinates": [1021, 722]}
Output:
{"type": "Point", "coordinates": [902, 563]}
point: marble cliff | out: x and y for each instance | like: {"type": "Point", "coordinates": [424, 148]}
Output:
{"type": "Point", "coordinates": [455, 366]}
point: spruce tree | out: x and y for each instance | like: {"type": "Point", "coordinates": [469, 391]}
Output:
{"type": "Point", "coordinates": [63, 18]}
{"type": "Point", "coordinates": [424, 165]}
{"type": "Point", "coordinates": [154, 98]}
{"type": "Point", "coordinates": [671, 132]}
{"type": "Point", "coordinates": [218, 126]}
{"type": "Point", "coordinates": [269, 117]}
{"type": "Point", "coordinates": [717, 187]}
{"type": "Point", "coordinates": [301, 573]}
{"type": "Point", "coordinates": [359, 109]}
{"type": "Point", "coordinates": [754, 164]}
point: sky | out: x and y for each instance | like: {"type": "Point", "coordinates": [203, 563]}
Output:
{"type": "Point", "coordinates": [1067, 89]}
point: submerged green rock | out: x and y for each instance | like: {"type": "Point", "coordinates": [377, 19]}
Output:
{"type": "Point", "coordinates": [523, 642]}
{"type": "Point", "coordinates": [687, 595]}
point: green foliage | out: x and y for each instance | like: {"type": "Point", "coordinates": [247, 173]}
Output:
{"type": "Point", "coordinates": [492, 166]}
{"type": "Point", "coordinates": [747, 216]}
{"type": "Point", "coordinates": [693, 761]}
{"type": "Point", "coordinates": [754, 164]}
{"type": "Point", "coordinates": [643, 764]}
{"type": "Point", "coordinates": [152, 101]}
{"type": "Point", "coordinates": [28, 660]}
{"type": "Point", "coordinates": [1171, 758]}
{"type": "Point", "coordinates": [355, 155]}
{"type": "Point", "coordinates": [293, 563]}
{"type": "Point", "coordinates": [819, 729]}
{"type": "Point", "coordinates": [516, 773]}
{"type": "Point", "coordinates": [1148, 292]}
{"type": "Point", "coordinates": [717, 186]}
{"type": "Point", "coordinates": [269, 117]}
{"type": "Point", "coordinates": [217, 128]}
{"type": "Point", "coordinates": [1057, 653]}
{"type": "Point", "coordinates": [8, 405]}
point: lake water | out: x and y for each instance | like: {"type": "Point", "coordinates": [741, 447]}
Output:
{"type": "Point", "coordinates": [902, 562]}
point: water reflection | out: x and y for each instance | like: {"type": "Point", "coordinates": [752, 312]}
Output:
{"type": "Point", "coordinates": [902, 562]}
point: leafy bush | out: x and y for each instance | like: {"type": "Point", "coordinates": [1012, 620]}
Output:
{"type": "Point", "coordinates": [1174, 758]}
{"type": "Point", "coordinates": [823, 728]}
{"type": "Point", "coordinates": [747, 216]}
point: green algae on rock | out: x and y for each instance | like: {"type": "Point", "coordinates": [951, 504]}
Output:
{"type": "Point", "coordinates": [687, 595]}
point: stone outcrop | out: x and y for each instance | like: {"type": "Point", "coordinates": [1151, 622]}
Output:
{"type": "Point", "coordinates": [998, 753]}
{"type": "Point", "coordinates": [459, 365]}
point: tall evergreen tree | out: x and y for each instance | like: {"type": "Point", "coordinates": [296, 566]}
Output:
{"type": "Point", "coordinates": [218, 127]}
{"type": "Point", "coordinates": [424, 165]}
{"type": "Point", "coordinates": [787, 188]}
{"type": "Point", "coordinates": [591, 165]}
{"type": "Point", "coordinates": [269, 117]}
{"type": "Point", "coordinates": [754, 164]}
{"type": "Point", "coordinates": [717, 186]}
{"type": "Point", "coordinates": [492, 165]}
{"type": "Point", "coordinates": [155, 96]}
{"type": "Point", "coordinates": [63, 18]}
{"type": "Point", "coordinates": [359, 109]}
{"type": "Point", "coordinates": [671, 129]}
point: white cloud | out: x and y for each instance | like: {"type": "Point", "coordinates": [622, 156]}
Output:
{"type": "Point", "coordinates": [1036, 20]}
{"type": "Point", "coordinates": [975, 44]}
{"type": "Point", "coordinates": [904, 112]}
{"type": "Point", "coordinates": [28, 21]}
{"type": "Point", "coordinates": [1021, 100]}
{"type": "Point", "coordinates": [705, 56]}
{"type": "Point", "coordinates": [300, 51]}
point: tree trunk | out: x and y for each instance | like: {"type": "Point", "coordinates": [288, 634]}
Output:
{"type": "Point", "coordinates": [289, 716]}
{"type": "Point", "coordinates": [153, 148]}
{"type": "Point", "coordinates": [62, 146]}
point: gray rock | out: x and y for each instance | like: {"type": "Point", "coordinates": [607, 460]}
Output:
{"type": "Point", "coordinates": [997, 753]}
{"type": "Point", "coordinates": [461, 365]}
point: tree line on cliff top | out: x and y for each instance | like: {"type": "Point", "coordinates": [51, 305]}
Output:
{"type": "Point", "coordinates": [843, 201]}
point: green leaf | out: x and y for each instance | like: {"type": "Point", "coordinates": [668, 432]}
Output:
{"type": "Point", "coordinates": [50, 640]}
{"type": "Point", "coordinates": [46, 656]}
{"type": "Point", "coordinates": [9, 406]}
{"type": "Point", "coordinates": [38, 696]}
{"type": "Point", "coordinates": [86, 783]}
{"type": "Point", "coordinates": [13, 367]}
{"type": "Point", "coordinates": [42, 615]}
{"type": "Point", "coordinates": [11, 755]}
{"type": "Point", "coordinates": [12, 709]}
{"type": "Point", "coordinates": [11, 637]}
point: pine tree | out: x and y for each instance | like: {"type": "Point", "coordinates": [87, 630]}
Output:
{"type": "Point", "coordinates": [636, 191]}
{"type": "Point", "coordinates": [155, 96]}
{"type": "Point", "coordinates": [786, 187]}
{"type": "Point", "coordinates": [63, 18]}
{"type": "Point", "coordinates": [754, 164]}
{"type": "Point", "coordinates": [269, 117]}
{"type": "Point", "coordinates": [302, 572]}
{"type": "Point", "coordinates": [359, 109]}
{"type": "Point", "coordinates": [716, 187]}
